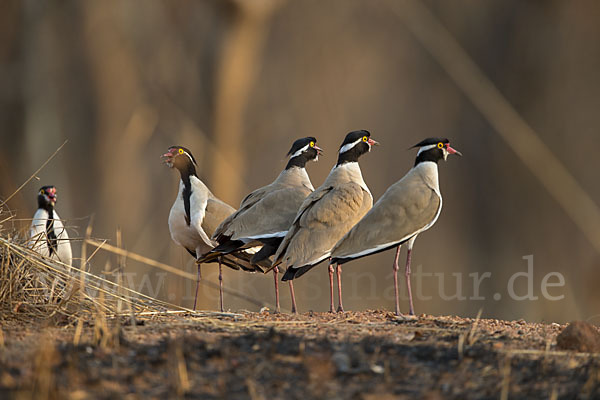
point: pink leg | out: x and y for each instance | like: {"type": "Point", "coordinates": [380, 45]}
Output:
{"type": "Point", "coordinates": [197, 284]}
{"type": "Point", "coordinates": [275, 273]}
{"type": "Point", "coordinates": [220, 284]}
{"type": "Point", "coordinates": [293, 297]}
{"type": "Point", "coordinates": [396, 268]}
{"type": "Point", "coordinates": [407, 275]}
{"type": "Point", "coordinates": [339, 279]}
{"type": "Point", "coordinates": [331, 309]}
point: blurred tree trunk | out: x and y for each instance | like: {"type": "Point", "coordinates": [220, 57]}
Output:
{"type": "Point", "coordinates": [239, 65]}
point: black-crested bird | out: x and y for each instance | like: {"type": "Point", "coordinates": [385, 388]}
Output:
{"type": "Point", "coordinates": [328, 213]}
{"type": "Point", "coordinates": [408, 207]}
{"type": "Point", "coordinates": [195, 215]}
{"type": "Point", "coordinates": [266, 214]}
{"type": "Point", "coordinates": [47, 233]}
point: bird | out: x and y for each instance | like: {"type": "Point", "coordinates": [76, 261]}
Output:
{"type": "Point", "coordinates": [195, 215]}
{"type": "Point", "coordinates": [47, 234]}
{"type": "Point", "coordinates": [408, 207]}
{"type": "Point", "coordinates": [328, 213]}
{"type": "Point", "coordinates": [266, 214]}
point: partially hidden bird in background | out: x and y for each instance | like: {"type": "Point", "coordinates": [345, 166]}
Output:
{"type": "Point", "coordinates": [408, 207]}
{"type": "Point", "coordinates": [328, 213]}
{"type": "Point", "coordinates": [266, 214]}
{"type": "Point", "coordinates": [195, 215]}
{"type": "Point", "coordinates": [47, 234]}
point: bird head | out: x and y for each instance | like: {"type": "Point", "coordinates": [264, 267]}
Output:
{"type": "Point", "coordinates": [179, 157]}
{"type": "Point", "coordinates": [307, 148]}
{"type": "Point", "coordinates": [47, 196]}
{"type": "Point", "coordinates": [434, 149]}
{"type": "Point", "coordinates": [355, 144]}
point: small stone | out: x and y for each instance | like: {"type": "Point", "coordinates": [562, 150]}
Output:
{"type": "Point", "coordinates": [378, 369]}
{"type": "Point", "coordinates": [579, 336]}
{"type": "Point", "coordinates": [405, 336]}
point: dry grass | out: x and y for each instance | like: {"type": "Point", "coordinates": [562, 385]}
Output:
{"type": "Point", "coordinates": [34, 286]}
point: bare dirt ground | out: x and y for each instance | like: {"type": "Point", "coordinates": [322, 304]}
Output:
{"type": "Point", "coordinates": [353, 355]}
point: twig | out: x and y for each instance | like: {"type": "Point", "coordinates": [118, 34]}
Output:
{"type": "Point", "coordinates": [173, 270]}
{"type": "Point", "coordinates": [35, 173]}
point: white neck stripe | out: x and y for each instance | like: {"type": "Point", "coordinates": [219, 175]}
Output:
{"type": "Point", "coordinates": [190, 157]}
{"type": "Point", "coordinates": [297, 153]}
{"type": "Point", "coordinates": [348, 146]}
{"type": "Point", "coordinates": [425, 148]}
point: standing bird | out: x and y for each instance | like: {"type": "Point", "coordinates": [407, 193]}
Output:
{"type": "Point", "coordinates": [195, 215]}
{"type": "Point", "coordinates": [328, 213]}
{"type": "Point", "coordinates": [47, 233]}
{"type": "Point", "coordinates": [407, 208]}
{"type": "Point", "coordinates": [266, 214]}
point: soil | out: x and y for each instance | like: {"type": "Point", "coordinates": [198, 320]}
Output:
{"type": "Point", "coordinates": [352, 355]}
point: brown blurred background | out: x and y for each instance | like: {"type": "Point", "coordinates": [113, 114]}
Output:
{"type": "Point", "coordinates": [238, 81]}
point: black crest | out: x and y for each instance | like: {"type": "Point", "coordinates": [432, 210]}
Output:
{"type": "Point", "coordinates": [354, 136]}
{"type": "Point", "coordinates": [430, 141]}
{"type": "Point", "coordinates": [300, 143]}
{"type": "Point", "coordinates": [434, 154]}
{"type": "Point", "coordinates": [301, 159]}
{"type": "Point", "coordinates": [361, 147]}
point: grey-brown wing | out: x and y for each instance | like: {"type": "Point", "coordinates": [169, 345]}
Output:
{"type": "Point", "coordinates": [309, 202]}
{"type": "Point", "coordinates": [246, 204]}
{"type": "Point", "coordinates": [404, 210]}
{"type": "Point", "coordinates": [274, 213]}
{"type": "Point", "coordinates": [325, 222]}
{"type": "Point", "coordinates": [216, 212]}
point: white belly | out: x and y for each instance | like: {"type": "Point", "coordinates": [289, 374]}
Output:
{"type": "Point", "coordinates": [182, 233]}
{"type": "Point", "coordinates": [38, 239]}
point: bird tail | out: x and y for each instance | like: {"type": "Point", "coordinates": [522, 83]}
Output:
{"type": "Point", "coordinates": [228, 247]}
{"type": "Point", "coordinates": [293, 273]}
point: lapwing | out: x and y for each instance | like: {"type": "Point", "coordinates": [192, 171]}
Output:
{"type": "Point", "coordinates": [195, 215]}
{"type": "Point", "coordinates": [408, 207]}
{"type": "Point", "coordinates": [266, 214]}
{"type": "Point", "coordinates": [47, 234]}
{"type": "Point", "coordinates": [328, 213]}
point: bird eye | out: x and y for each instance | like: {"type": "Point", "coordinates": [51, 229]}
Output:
{"type": "Point", "coordinates": [42, 191]}
{"type": "Point", "coordinates": [312, 144]}
{"type": "Point", "coordinates": [440, 145]}
{"type": "Point", "coordinates": [180, 151]}
{"type": "Point", "coordinates": [365, 138]}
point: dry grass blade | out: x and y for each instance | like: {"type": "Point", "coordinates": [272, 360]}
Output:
{"type": "Point", "coordinates": [32, 285]}
{"type": "Point", "coordinates": [472, 338]}
{"type": "Point", "coordinates": [168, 268]}
{"type": "Point", "coordinates": [35, 173]}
